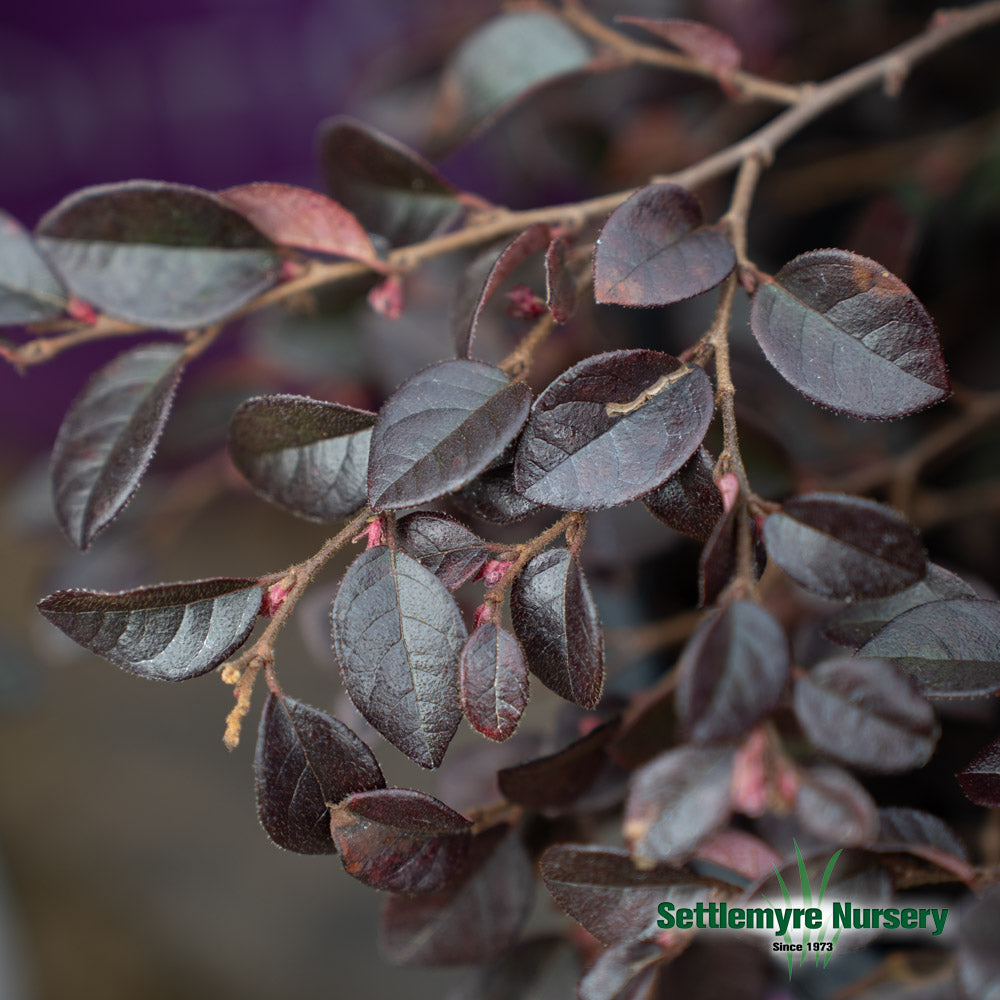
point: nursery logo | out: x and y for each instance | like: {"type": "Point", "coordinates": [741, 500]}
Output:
{"type": "Point", "coordinates": [804, 926]}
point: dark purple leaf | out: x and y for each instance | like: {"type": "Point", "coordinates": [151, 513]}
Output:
{"type": "Point", "coordinates": [307, 456]}
{"type": "Point", "coordinates": [916, 833]}
{"type": "Point", "coordinates": [555, 782]}
{"type": "Point", "coordinates": [560, 285]}
{"type": "Point", "coordinates": [446, 547]}
{"type": "Point", "coordinates": [950, 648]}
{"type": "Point", "coordinates": [612, 428]}
{"type": "Point", "coordinates": [108, 437]}
{"type": "Point", "coordinates": [504, 60]}
{"type": "Point", "coordinates": [399, 839]}
{"type": "Point", "coordinates": [493, 681]}
{"type": "Point", "coordinates": [845, 547]}
{"type": "Point", "coordinates": [677, 800]}
{"type": "Point", "coordinates": [732, 673]}
{"type": "Point", "coordinates": [647, 729]}
{"type": "Point", "coordinates": [711, 47]}
{"type": "Point", "coordinates": [305, 760]}
{"type": "Point", "coordinates": [689, 501]}
{"type": "Point", "coordinates": [297, 217]}
{"type": "Point", "coordinates": [866, 713]}
{"type": "Point", "coordinates": [162, 255]}
{"type": "Point", "coordinates": [392, 190]}
{"type": "Point", "coordinates": [440, 429]}
{"type": "Point", "coordinates": [534, 239]}
{"type": "Point", "coordinates": [979, 947]}
{"type": "Point", "coordinates": [834, 807]}
{"type": "Point", "coordinates": [165, 633]}
{"type": "Point", "coordinates": [29, 290]}
{"type": "Point", "coordinates": [556, 621]}
{"type": "Point", "coordinates": [850, 336]}
{"type": "Point", "coordinates": [980, 778]}
{"type": "Point", "coordinates": [475, 918]}
{"type": "Point", "coordinates": [655, 249]}
{"type": "Point", "coordinates": [492, 497]}
{"type": "Point", "coordinates": [859, 621]}
{"type": "Point", "coordinates": [740, 852]}
{"type": "Point", "coordinates": [720, 557]}
{"type": "Point", "coordinates": [398, 635]}
{"type": "Point", "coordinates": [625, 971]}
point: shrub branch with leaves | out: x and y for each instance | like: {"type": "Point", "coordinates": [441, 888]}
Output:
{"type": "Point", "coordinates": [738, 726]}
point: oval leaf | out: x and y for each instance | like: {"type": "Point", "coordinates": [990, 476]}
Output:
{"type": "Point", "coordinates": [835, 807]}
{"type": "Point", "coordinates": [452, 552]}
{"type": "Point", "coordinates": [850, 336]}
{"type": "Point", "coordinates": [108, 437]}
{"type": "Point", "coordinates": [950, 648]}
{"type": "Point", "coordinates": [845, 547]}
{"type": "Point", "coordinates": [719, 558]}
{"type": "Point", "coordinates": [163, 255]}
{"type": "Point", "coordinates": [689, 501]}
{"type": "Point", "coordinates": [493, 497]}
{"type": "Point", "coordinates": [732, 673]}
{"type": "Point", "coordinates": [556, 620]}
{"type": "Point", "coordinates": [655, 250]}
{"type": "Point", "coordinates": [398, 635]}
{"type": "Point", "coordinates": [29, 290]}
{"type": "Point", "coordinates": [307, 456]}
{"type": "Point", "coordinates": [611, 428]}
{"type": "Point", "coordinates": [166, 633]}
{"type": "Point", "coordinates": [493, 681]}
{"type": "Point", "coordinates": [980, 778]}
{"type": "Point", "coordinates": [305, 760]}
{"type": "Point", "coordinates": [864, 712]}
{"type": "Point", "coordinates": [440, 429]}
{"type": "Point", "coordinates": [399, 840]}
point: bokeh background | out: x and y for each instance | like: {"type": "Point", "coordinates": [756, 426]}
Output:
{"type": "Point", "coordinates": [131, 862]}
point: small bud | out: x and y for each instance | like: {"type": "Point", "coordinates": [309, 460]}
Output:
{"type": "Point", "coordinates": [525, 304]}
{"type": "Point", "coordinates": [386, 298]}
{"type": "Point", "coordinates": [749, 784]}
{"type": "Point", "coordinates": [291, 269]}
{"type": "Point", "coordinates": [82, 311]}
{"type": "Point", "coordinates": [493, 571]}
{"type": "Point", "coordinates": [484, 613]}
{"type": "Point", "coordinates": [729, 487]}
{"type": "Point", "coordinates": [275, 596]}
{"type": "Point", "coordinates": [374, 532]}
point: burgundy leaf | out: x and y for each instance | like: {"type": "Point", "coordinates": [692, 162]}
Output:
{"type": "Point", "coordinates": [389, 188]}
{"type": "Point", "coordinates": [307, 456]}
{"type": "Point", "coordinates": [475, 918]}
{"type": "Point", "coordinates": [850, 336]}
{"type": "Point", "coordinates": [845, 547]}
{"type": "Point", "coordinates": [950, 648]}
{"type": "Point", "coordinates": [689, 501]}
{"type": "Point", "coordinates": [493, 681]}
{"type": "Point", "coordinates": [740, 852]}
{"type": "Point", "coordinates": [834, 807]}
{"type": "Point", "coordinates": [161, 255]}
{"type": "Point", "coordinates": [560, 285]}
{"type": "Point", "coordinates": [654, 250]}
{"type": "Point", "coordinates": [732, 673]}
{"type": "Point", "coordinates": [626, 971]}
{"type": "Point", "coordinates": [720, 557]}
{"type": "Point", "coordinates": [924, 836]}
{"type": "Point", "coordinates": [440, 429]}
{"type": "Point", "coordinates": [398, 635]}
{"type": "Point", "coordinates": [504, 60]}
{"type": "Point", "coordinates": [859, 621]}
{"type": "Point", "coordinates": [612, 428]}
{"type": "Point", "coordinates": [446, 547]}
{"type": "Point", "coordinates": [109, 435]}
{"type": "Point", "coordinates": [555, 782]}
{"type": "Point", "coordinates": [29, 290]}
{"type": "Point", "coordinates": [305, 760]}
{"type": "Point", "coordinates": [980, 778]}
{"type": "Point", "coordinates": [556, 621]}
{"type": "Point", "coordinates": [978, 957]}
{"type": "Point", "coordinates": [677, 800]}
{"type": "Point", "coordinates": [711, 47]}
{"type": "Point", "coordinates": [297, 217]}
{"type": "Point", "coordinates": [167, 633]}
{"type": "Point", "coordinates": [866, 713]}
{"type": "Point", "coordinates": [399, 839]}
{"type": "Point", "coordinates": [493, 497]}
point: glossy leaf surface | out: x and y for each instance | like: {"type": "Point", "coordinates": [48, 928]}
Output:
{"type": "Point", "coordinates": [612, 428]}
{"type": "Point", "coordinates": [108, 437]}
{"type": "Point", "coordinates": [452, 552]}
{"type": "Point", "coordinates": [493, 681]}
{"type": "Point", "coordinates": [167, 633]}
{"type": "Point", "coordinates": [307, 456]}
{"type": "Point", "coordinates": [866, 713]}
{"type": "Point", "coordinates": [162, 255]}
{"type": "Point", "coordinates": [689, 501]}
{"type": "Point", "coordinates": [850, 336]}
{"type": "Point", "coordinates": [835, 807]}
{"type": "Point", "coordinates": [732, 673]}
{"type": "Point", "coordinates": [845, 547]}
{"type": "Point", "coordinates": [980, 778]}
{"type": "Point", "coordinates": [392, 190]}
{"type": "Point", "coordinates": [399, 840]}
{"type": "Point", "coordinates": [29, 290]}
{"type": "Point", "coordinates": [398, 636]}
{"type": "Point", "coordinates": [306, 759]}
{"type": "Point", "coordinates": [474, 918]}
{"type": "Point", "coordinates": [720, 557]}
{"type": "Point", "coordinates": [655, 250]}
{"type": "Point", "coordinates": [950, 648]}
{"type": "Point", "coordinates": [440, 429]}
{"type": "Point", "coordinates": [556, 620]}
{"type": "Point", "coordinates": [493, 497]}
